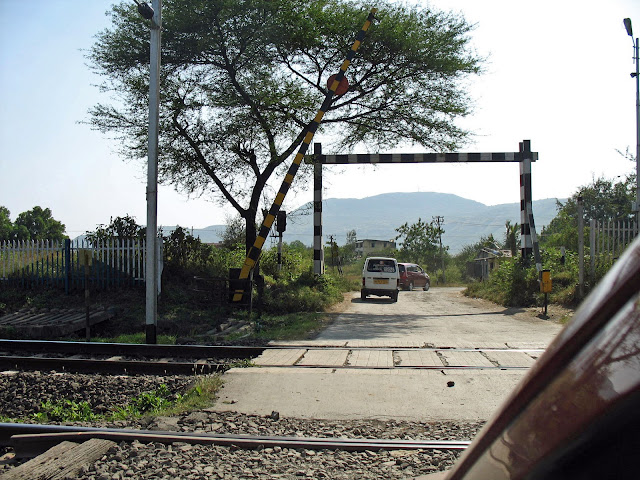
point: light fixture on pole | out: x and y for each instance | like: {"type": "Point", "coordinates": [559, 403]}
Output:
{"type": "Point", "coordinates": [636, 75]}
{"type": "Point", "coordinates": [153, 13]}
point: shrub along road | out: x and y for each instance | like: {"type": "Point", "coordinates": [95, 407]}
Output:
{"type": "Point", "coordinates": [441, 318]}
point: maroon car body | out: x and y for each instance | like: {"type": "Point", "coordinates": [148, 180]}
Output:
{"type": "Point", "coordinates": [576, 415]}
{"type": "Point", "coordinates": [412, 275]}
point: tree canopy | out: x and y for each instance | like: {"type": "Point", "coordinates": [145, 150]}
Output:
{"type": "Point", "coordinates": [242, 78]}
{"type": "Point", "coordinates": [34, 224]}
{"type": "Point", "coordinates": [420, 243]}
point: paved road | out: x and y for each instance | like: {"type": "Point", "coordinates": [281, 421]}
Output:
{"type": "Point", "coordinates": [440, 318]}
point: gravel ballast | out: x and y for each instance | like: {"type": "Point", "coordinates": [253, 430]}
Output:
{"type": "Point", "coordinates": [21, 394]}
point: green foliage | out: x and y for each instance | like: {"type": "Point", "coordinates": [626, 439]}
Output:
{"type": "Point", "coordinates": [236, 96]}
{"type": "Point", "coordinates": [119, 227]}
{"type": "Point", "coordinates": [160, 401]}
{"type": "Point", "coordinates": [34, 224]}
{"type": "Point", "coordinates": [234, 234]}
{"type": "Point", "coordinates": [184, 254]}
{"type": "Point", "coordinates": [511, 284]}
{"type": "Point", "coordinates": [420, 244]}
{"type": "Point", "coordinates": [295, 261]}
{"type": "Point", "coordinates": [512, 238]}
{"type": "Point", "coordinates": [603, 199]}
{"type": "Point", "coordinates": [348, 250]}
{"type": "Point", "coordinates": [64, 411]}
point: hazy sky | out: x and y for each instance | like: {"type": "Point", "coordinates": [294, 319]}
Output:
{"type": "Point", "coordinates": [557, 74]}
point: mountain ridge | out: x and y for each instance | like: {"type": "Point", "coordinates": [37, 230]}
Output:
{"type": "Point", "coordinates": [377, 217]}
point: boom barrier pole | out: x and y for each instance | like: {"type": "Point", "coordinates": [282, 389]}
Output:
{"type": "Point", "coordinates": [256, 249]}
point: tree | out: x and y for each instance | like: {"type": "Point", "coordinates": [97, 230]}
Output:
{"type": "Point", "coordinates": [120, 227]}
{"type": "Point", "coordinates": [348, 250]}
{"type": "Point", "coordinates": [512, 237]}
{"type": "Point", "coordinates": [242, 78]}
{"type": "Point", "coordinates": [6, 225]}
{"type": "Point", "coordinates": [234, 233]}
{"type": "Point", "coordinates": [38, 224]}
{"type": "Point", "coordinates": [420, 243]}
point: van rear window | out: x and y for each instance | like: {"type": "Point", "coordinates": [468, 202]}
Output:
{"type": "Point", "coordinates": [387, 266]}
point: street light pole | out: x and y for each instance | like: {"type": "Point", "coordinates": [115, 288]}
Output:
{"type": "Point", "coordinates": [636, 75]}
{"type": "Point", "coordinates": [154, 14]}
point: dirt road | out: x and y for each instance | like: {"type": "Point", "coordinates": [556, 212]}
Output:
{"type": "Point", "coordinates": [441, 317]}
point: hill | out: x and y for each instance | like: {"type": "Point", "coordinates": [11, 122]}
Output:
{"type": "Point", "coordinates": [377, 217]}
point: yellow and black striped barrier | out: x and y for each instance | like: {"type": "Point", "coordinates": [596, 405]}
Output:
{"type": "Point", "coordinates": [256, 249]}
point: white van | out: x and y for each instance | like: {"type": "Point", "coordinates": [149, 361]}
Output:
{"type": "Point", "coordinates": [380, 277]}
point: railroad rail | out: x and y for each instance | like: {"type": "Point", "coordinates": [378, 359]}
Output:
{"type": "Point", "coordinates": [29, 440]}
{"type": "Point", "coordinates": [83, 357]}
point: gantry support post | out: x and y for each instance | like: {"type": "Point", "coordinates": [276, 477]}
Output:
{"type": "Point", "coordinates": [526, 244]}
{"type": "Point", "coordinates": [318, 247]}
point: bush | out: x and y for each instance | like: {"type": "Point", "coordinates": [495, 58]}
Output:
{"type": "Point", "coordinates": [511, 284]}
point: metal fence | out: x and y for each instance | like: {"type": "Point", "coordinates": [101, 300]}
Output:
{"type": "Point", "coordinates": [115, 262]}
{"type": "Point", "coordinates": [608, 239]}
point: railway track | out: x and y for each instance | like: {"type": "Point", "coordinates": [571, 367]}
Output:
{"type": "Point", "coordinates": [29, 440]}
{"type": "Point", "coordinates": [83, 357]}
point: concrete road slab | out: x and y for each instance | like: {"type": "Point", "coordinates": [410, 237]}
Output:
{"type": "Point", "coordinates": [510, 359]}
{"type": "Point", "coordinates": [371, 358]}
{"type": "Point", "coordinates": [280, 357]}
{"type": "Point", "coordinates": [417, 395]}
{"type": "Point", "coordinates": [464, 359]}
{"type": "Point", "coordinates": [421, 358]}
{"type": "Point", "coordinates": [329, 358]}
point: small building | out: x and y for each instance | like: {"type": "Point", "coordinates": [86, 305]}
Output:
{"type": "Point", "coordinates": [486, 261]}
{"type": "Point", "coordinates": [367, 246]}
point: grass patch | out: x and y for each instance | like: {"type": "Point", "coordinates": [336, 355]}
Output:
{"type": "Point", "coordinates": [138, 338]}
{"type": "Point", "coordinates": [292, 326]}
{"type": "Point", "coordinates": [159, 402]}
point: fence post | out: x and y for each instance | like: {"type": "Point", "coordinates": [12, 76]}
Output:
{"type": "Point", "coordinates": [67, 265]}
{"type": "Point", "coordinates": [580, 247]}
{"type": "Point", "coordinates": [592, 250]}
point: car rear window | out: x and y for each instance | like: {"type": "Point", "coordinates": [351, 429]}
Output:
{"type": "Point", "coordinates": [387, 266]}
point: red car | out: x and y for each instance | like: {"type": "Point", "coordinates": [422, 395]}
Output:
{"type": "Point", "coordinates": [412, 275]}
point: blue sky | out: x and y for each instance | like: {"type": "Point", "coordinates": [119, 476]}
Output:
{"type": "Point", "coordinates": [557, 74]}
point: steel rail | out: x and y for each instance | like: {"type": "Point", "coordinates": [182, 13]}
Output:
{"type": "Point", "coordinates": [210, 351]}
{"type": "Point", "coordinates": [403, 367]}
{"type": "Point", "coordinates": [30, 440]}
{"type": "Point", "coordinates": [156, 367]}
{"type": "Point", "coordinates": [81, 365]}
{"type": "Point", "coordinates": [132, 349]}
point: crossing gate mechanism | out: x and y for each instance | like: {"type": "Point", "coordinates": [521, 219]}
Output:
{"type": "Point", "coordinates": [524, 156]}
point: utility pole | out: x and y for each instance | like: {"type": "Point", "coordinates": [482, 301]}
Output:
{"type": "Point", "coordinates": [636, 75]}
{"type": "Point", "coordinates": [333, 257]}
{"type": "Point", "coordinates": [152, 13]}
{"type": "Point", "coordinates": [440, 221]}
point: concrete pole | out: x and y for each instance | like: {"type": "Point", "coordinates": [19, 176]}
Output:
{"type": "Point", "coordinates": [151, 274]}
